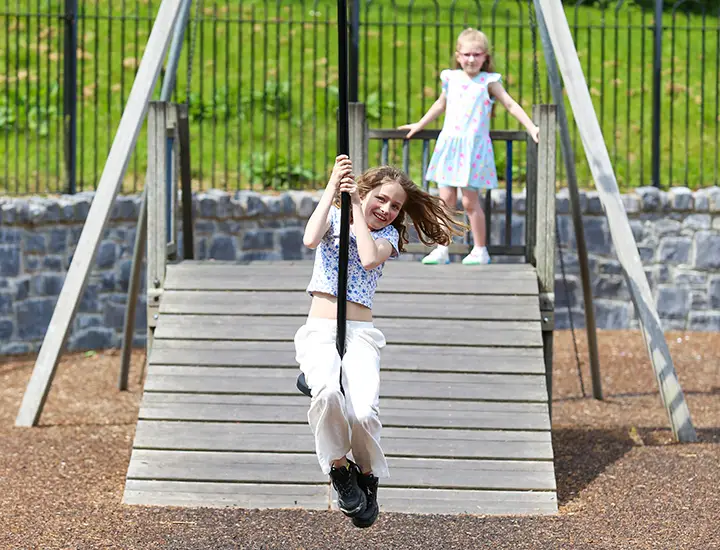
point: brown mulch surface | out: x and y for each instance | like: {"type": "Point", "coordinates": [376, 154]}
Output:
{"type": "Point", "coordinates": [621, 481]}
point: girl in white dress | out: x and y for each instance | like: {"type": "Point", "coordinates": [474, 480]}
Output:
{"type": "Point", "coordinates": [463, 156]}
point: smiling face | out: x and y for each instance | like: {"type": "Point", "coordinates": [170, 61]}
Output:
{"type": "Point", "coordinates": [382, 204]}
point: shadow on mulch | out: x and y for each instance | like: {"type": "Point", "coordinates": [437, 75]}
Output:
{"type": "Point", "coordinates": [583, 454]}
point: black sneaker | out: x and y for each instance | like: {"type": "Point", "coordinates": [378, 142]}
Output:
{"type": "Point", "coordinates": [351, 499]}
{"type": "Point", "coordinates": [369, 485]}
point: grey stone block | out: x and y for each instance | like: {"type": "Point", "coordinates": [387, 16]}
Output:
{"type": "Point", "coordinates": [33, 317]}
{"type": "Point", "coordinates": [707, 250]}
{"type": "Point", "coordinates": [251, 202]}
{"type": "Point", "coordinates": [32, 263]}
{"type": "Point", "coordinates": [57, 240]}
{"type": "Point", "coordinates": [665, 227]}
{"type": "Point", "coordinates": [610, 287]}
{"type": "Point", "coordinates": [16, 348]}
{"type": "Point", "coordinates": [90, 302]}
{"type": "Point", "coordinates": [713, 194]}
{"type": "Point", "coordinates": [47, 284]}
{"type": "Point", "coordinates": [673, 302]}
{"type": "Point", "coordinates": [290, 243]}
{"type": "Point", "coordinates": [701, 201]}
{"type": "Point", "coordinates": [680, 198]}
{"type": "Point", "coordinates": [597, 236]}
{"type": "Point", "coordinates": [258, 240]}
{"type": "Point", "coordinates": [638, 230]}
{"type": "Point", "coordinates": [649, 198]}
{"type": "Point", "coordinates": [689, 277]}
{"type": "Point", "coordinates": [10, 235]}
{"type": "Point", "coordinates": [704, 321]}
{"type": "Point", "coordinates": [696, 222]}
{"type": "Point", "coordinates": [714, 292]}
{"type": "Point", "coordinates": [566, 232]}
{"type": "Point", "coordinates": [699, 300]}
{"type": "Point", "coordinates": [567, 292]}
{"type": "Point", "coordinates": [261, 255]}
{"type": "Point", "coordinates": [53, 263]}
{"type": "Point", "coordinates": [6, 303]}
{"type": "Point", "coordinates": [106, 255]}
{"type": "Point", "coordinates": [223, 248]}
{"type": "Point", "coordinates": [610, 314]}
{"type": "Point", "coordinates": [22, 288]}
{"type": "Point", "coordinates": [34, 242]}
{"type": "Point", "coordinates": [9, 261]}
{"type": "Point", "coordinates": [594, 206]}
{"type": "Point", "coordinates": [6, 329]}
{"type": "Point", "coordinates": [631, 203]}
{"type": "Point", "coordinates": [562, 319]}
{"type": "Point", "coordinates": [562, 201]}
{"type": "Point", "coordinates": [85, 321]}
{"type": "Point", "coordinates": [674, 250]}
{"type": "Point", "coordinates": [205, 227]}
{"type": "Point", "coordinates": [609, 267]}
{"type": "Point", "coordinates": [92, 338]}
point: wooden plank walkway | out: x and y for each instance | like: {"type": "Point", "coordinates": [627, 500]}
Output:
{"type": "Point", "coordinates": [463, 396]}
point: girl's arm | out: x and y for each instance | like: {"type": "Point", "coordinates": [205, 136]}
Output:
{"type": "Point", "coordinates": [435, 110]}
{"type": "Point", "coordinates": [497, 90]}
{"type": "Point", "coordinates": [319, 222]}
{"type": "Point", "coordinates": [372, 252]}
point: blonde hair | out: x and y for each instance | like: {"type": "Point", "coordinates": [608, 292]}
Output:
{"type": "Point", "coordinates": [475, 36]}
{"type": "Point", "coordinates": [434, 222]}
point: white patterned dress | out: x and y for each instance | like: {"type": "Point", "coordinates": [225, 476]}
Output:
{"type": "Point", "coordinates": [463, 155]}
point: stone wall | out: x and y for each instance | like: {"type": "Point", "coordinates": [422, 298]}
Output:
{"type": "Point", "coordinates": [678, 236]}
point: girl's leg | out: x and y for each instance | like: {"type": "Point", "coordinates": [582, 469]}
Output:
{"type": "Point", "coordinates": [440, 255]}
{"type": "Point", "coordinates": [475, 213]}
{"type": "Point", "coordinates": [361, 380]}
{"type": "Point", "coordinates": [319, 361]}
{"type": "Point", "coordinates": [471, 203]}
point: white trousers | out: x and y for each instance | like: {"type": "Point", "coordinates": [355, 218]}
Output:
{"type": "Point", "coordinates": [347, 423]}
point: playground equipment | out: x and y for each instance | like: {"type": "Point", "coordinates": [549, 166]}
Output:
{"type": "Point", "coordinates": [486, 430]}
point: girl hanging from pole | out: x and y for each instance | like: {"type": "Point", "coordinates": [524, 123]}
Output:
{"type": "Point", "coordinates": [463, 156]}
{"type": "Point", "coordinates": [344, 419]}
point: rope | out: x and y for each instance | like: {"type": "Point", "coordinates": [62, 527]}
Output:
{"type": "Point", "coordinates": [537, 93]}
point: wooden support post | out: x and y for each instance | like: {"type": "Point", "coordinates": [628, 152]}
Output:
{"type": "Point", "coordinates": [358, 137]}
{"type": "Point", "coordinates": [599, 161]}
{"type": "Point", "coordinates": [569, 157]}
{"type": "Point", "coordinates": [112, 175]}
{"type": "Point", "coordinates": [186, 181]}
{"type": "Point", "coordinates": [156, 211]}
{"type": "Point", "coordinates": [545, 117]}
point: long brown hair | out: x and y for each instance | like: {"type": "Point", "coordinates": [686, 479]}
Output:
{"type": "Point", "coordinates": [434, 221]}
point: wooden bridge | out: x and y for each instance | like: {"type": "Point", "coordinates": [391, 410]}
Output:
{"type": "Point", "coordinates": [464, 382]}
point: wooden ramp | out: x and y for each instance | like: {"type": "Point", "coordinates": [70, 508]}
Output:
{"type": "Point", "coordinates": [463, 395]}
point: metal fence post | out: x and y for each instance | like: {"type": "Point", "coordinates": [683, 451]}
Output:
{"type": "Point", "coordinates": [70, 94]}
{"type": "Point", "coordinates": [657, 60]}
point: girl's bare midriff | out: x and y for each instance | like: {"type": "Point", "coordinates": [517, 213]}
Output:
{"type": "Point", "coordinates": [324, 306]}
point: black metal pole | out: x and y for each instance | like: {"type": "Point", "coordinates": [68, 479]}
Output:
{"type": "Point", "coordinates": [354, 50]}
{"type": "Point", "coordinates": [70, 94]}
{"type": "Point", "coordinates": [657, 60]}
{"type": "Point", "coordinates": [343, 149]}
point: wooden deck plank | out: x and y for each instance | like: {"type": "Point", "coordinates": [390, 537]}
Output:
{"type": "Point", "coordinates": [287, 438]}
{"type": "Point", "coordinates": [394, 357]}
{"type": "Point", "coordinates": [410, 501]}
{"type": "Point", "coordinates": [221, 495]}
{"type": "Point", "coordinates": [206, 466]}
{"type": "Point", "coordinates": [434, 306]}
{"type": "Point", "coordinates": [498, 285]}
{"type": "Point", "coordinates": [269, 381]}
{"type": "Point", "coordinates": [410, 331]}
{"type": "Point", "coordinates": [395, 268]}
{"type": "Point", "coordinates": [438, 501]}
{"type": "Point", "coordinates": [478, 415]}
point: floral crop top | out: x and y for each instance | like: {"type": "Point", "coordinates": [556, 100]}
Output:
{"type": "Point", "coordinates": [361, 282]}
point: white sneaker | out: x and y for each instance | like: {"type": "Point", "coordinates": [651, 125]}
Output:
{"type": "Point", "coordinates": [478, 256]}
{"type": "Point", "coordinates": [438, 256]}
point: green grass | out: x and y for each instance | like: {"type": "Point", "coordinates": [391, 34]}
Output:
{"type": "Point", "coordinates": [264, 87]}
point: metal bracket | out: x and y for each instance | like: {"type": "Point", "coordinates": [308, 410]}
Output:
{"type": "Point", "coordinates": [547, 320]}
{"type": "Point", "coordinates": [153, 306]}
